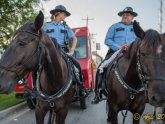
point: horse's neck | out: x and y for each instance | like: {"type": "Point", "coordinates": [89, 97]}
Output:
{"type": "Point", "coordinates": [53, 67]}
{"type": "Point", "coordinates": [129, 71]}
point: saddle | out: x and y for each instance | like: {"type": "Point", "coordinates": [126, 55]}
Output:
{"type": "Point", "coordinates": [75, 68]}
{"type": "Point", "coordinates": [77, 76]}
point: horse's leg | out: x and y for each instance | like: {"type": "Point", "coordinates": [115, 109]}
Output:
{"type": "Point", "coordinates": [112, 114]}
{"type": "Point", "coordinates": [109, 113]}
{"type": "Point", "coordinates": [61, 115]}
{"type": "Point", "coordinates": [40, 113]}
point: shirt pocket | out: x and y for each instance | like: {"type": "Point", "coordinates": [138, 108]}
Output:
{"type": "Point", "coordinates": [120, 32]}
{"type": "Point", "coordinates": [49, 30]}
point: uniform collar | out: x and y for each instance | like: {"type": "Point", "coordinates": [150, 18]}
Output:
{"type": "Point", "coordinates": [126, 24]}
{"type": "Point", "coordinates": [53, 22]}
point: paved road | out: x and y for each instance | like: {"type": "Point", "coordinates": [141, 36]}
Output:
{"type": "Point", "coordinates": [94, 114]}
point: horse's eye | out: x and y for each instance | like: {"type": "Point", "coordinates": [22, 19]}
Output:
{"type": "Point", "coordinates": [143, 54]}
{"type": "Point", "coordinates": [22, 43]}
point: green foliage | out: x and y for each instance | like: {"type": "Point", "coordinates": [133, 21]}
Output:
{"type": "Point", "coordinates": [8, 100]}
{"type": "Point", "coordinates": [13, 13]}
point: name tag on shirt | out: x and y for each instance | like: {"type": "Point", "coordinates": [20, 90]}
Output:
{"type": "Point", "coordinates": [49, 30]}
{"type": "Point", "coordinates": [120, 29]}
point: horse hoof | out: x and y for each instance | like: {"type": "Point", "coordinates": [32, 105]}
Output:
{"type": "Point", "coordinates": [109, 123]}
{"type": "Point", "coordinates": [108, 119]}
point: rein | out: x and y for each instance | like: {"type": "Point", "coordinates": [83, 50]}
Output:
{"type": "Point", "coordinates": [119, 77]}
{"type": "Point", "coordinates": [51, 98]}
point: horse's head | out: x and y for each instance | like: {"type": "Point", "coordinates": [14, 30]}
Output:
{"type": "Point", "coordinates": [151, 64]}
{"type": "Point", "coordinates": [21, 55]}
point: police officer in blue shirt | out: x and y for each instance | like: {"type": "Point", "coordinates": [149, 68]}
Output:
{"type": "Point", "coordinates": [119, 36]}
{"type": "Point", "coordinates": [61, 33]}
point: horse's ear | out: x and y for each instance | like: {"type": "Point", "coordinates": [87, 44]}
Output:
{"type": "Point", "coordinates": [138, 30]}
{"type": "Point", "coordinates": [39, 20]}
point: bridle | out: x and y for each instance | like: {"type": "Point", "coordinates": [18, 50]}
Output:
{"type": "Point", "coordinates": [141, 73]}
{"type": "Point", "coordinates": [143, 78]}
{"type": "Point", "coordinates": [18, 68]}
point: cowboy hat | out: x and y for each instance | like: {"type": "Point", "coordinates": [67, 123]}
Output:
{"type": "Point", "coordinates": [60, 8]}
{"type": "Point", "coordinates": [128, 10]}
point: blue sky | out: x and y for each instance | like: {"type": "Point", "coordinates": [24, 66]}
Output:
{"type": "Point", "coordinates": [104, 13]}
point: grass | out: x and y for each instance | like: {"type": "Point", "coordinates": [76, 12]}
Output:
{"type": "Point", "coordinates": [9, 100]}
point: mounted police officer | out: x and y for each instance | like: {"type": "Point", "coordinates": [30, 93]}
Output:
{"type": "Point", "coordinates": [61, 33]}
{"type": "Point", "coordinates": [118, 37]}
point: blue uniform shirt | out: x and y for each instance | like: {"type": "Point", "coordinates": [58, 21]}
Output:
{"type": "Point", "coordinates": [57, 31]}
{"type": "Point", "coordinates": [118, 35]}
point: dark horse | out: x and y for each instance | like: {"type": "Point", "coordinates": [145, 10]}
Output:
{"type": "Point", "coordinates": [31, 47]}
{"type": "Point", "coordinates": [137, 76]}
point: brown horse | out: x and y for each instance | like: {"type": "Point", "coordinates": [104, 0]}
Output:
{"type": "Point", "coordinates": [137, 76]}
{"type": "Point", "coordinates": [31, 47]}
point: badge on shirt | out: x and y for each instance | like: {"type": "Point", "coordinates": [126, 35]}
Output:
{"type": "Point", "coordinates": [120, 29]}
{"type": "Point", "coordinates": [132, 30]}
{"type": "Point", "coordinates": [49, 30]}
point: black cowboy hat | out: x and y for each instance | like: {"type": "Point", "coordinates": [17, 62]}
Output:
{"type": "Point", "coordinates": [60, 8]}
{"type": "Point", "coordinates": [128, 10]}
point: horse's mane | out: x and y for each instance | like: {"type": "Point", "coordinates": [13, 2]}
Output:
{"type": "Point", "coordinates": [150, 41]}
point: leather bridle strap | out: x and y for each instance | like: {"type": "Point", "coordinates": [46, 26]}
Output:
{"type": "Point", "coordinates": [30, 33]}
{"type": "Point", "coordinates": [161, 78]}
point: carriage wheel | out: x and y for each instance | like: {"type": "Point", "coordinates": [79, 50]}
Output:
{"type": "Point", "coordinates": [31, 103]}
{"type": "Point", "coordinates": [83, 104]}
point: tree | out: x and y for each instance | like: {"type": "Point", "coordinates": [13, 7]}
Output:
{"type": "Point", "coordinates": [13, 13]}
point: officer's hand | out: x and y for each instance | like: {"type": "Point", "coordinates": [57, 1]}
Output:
{"type": "Point", "coordinates": [71, 53]}
{"type": "Point", "coordinates": [125, 47]}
